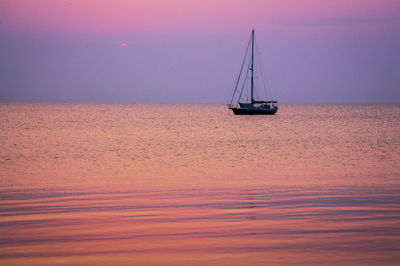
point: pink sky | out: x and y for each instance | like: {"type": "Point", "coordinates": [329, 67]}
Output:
{"type": "Point", "coordinates": [314, 50]}
{"type": "Point", "coordinates": [106, 17]}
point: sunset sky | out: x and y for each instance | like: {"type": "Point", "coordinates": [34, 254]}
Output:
{"type": "Point", "coordinates": [344, 51]}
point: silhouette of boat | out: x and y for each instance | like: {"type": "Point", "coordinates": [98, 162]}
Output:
{"type": "Point", "coordinates": [252, 107]}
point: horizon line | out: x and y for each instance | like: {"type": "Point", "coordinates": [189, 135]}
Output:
{"type": "Point", "coordinates": [188, 102]}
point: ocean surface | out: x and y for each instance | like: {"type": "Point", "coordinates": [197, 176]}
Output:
{"type": "Point", "coordinates": [192, 184]}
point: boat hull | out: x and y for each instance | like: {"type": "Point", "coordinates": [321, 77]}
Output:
{"type": "Point", "coordinates": [245, 111]}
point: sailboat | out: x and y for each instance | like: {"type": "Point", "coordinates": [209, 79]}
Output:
{"type": "Point", "coordinates": [252, 106]}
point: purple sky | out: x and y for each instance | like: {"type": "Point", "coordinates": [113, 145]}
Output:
{"type": "Point", "coordinates": [313, 51]}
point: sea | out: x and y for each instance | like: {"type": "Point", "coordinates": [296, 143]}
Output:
{"type": "Point", "coordinates": [193, 184]}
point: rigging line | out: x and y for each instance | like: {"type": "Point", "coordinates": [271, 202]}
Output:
{"type": "Point", "coordinates": [244, 82]}
{"type": "Point", "coordinates": [240, 73]}
{"type": "Point", "coordinates": [262, 75]}
{"type": "Point", "coordinates": [257, 94]}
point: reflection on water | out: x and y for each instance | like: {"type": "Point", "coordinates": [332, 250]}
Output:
{"type": "Point", "coordinates": [265, 225]}
{"type": "Point", "coordinates": [193, 184]}
{"type": "Point", "coordinates": [197, 145]}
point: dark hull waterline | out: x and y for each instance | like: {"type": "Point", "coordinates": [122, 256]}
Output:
{"type": "Point", "coordinates": [245, 111]}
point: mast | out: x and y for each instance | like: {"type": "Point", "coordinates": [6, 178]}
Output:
{"type": "Point", "coordinates": [252, 65]}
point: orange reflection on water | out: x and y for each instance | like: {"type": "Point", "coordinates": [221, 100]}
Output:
{"type": "Point", "coordinates": [197, 145]}
{"type": "Point", "coordinates": [239, 226]}
{"type": "Point", "coordinates": [193, 184]}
